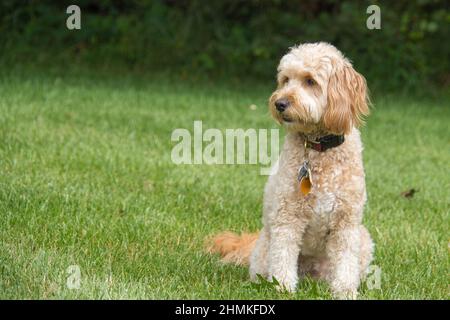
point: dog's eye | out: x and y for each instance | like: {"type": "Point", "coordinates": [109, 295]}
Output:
{"type": "Point", "coordinates": [310, 82]}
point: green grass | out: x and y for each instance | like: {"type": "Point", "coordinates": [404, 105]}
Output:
{"type": "Point", "coordinates": [86, 179]}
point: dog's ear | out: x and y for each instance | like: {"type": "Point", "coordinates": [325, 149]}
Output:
{"type": "Point", "coordinates": [348, 101]}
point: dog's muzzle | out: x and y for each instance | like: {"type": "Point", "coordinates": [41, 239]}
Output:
{"type": "Point", "coordinates": [282, 104]}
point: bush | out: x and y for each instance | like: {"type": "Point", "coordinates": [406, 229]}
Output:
{"type": "Point", "coordinates": [233, 37]}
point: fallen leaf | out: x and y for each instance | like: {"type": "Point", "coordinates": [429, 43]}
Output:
{"type": "Point", "coordinates": [408, 193]}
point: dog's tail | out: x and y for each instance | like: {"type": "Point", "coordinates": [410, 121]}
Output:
{"type": "Point", "coordinates": [233, 248]}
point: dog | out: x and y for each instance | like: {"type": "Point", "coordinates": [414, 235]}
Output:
{"type": "Point", "coordinates": [313, 204]}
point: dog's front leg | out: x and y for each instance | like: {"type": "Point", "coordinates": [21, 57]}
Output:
{"type": "Point", "coordinates": [284, 249]}
{"type": "Point", "coordinates": [258, 257]}
{"type": "Point", "coordinates": [343, 250]}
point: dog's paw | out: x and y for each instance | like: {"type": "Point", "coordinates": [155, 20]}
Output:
{"type": "Point", "coordinates": [285, 284]}
{"type": "Point", "coordinates": [289, 288]}
{"type": "Point", "coordinates": [351, 294]}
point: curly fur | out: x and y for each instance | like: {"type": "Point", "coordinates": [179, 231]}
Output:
{"type": "Point", "coordinates": [320, 234]}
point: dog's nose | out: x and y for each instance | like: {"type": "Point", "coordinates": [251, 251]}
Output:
{"type": "Point", "coordinates": [282, 104]}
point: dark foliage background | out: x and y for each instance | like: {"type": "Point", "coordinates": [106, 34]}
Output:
{"type": "Point", "coordinates": [231, 38]}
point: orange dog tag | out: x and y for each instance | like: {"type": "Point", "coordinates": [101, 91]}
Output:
{"type": "Point", "coordinates": [304, 178]}
{"type": "Point", "coordinates": [305, 185]}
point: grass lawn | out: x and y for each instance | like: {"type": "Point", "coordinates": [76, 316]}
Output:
{"type": "Point", "coordinates": [86, 179]}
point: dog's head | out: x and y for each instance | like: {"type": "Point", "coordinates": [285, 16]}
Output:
{"type": "Point", "coordinates": [318, 90]}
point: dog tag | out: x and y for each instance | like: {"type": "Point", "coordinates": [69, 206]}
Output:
{"type": "Point", "coordinates": [304, 178]}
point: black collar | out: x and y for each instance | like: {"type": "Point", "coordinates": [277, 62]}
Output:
{"type": "Point", "coordinates": [324, 143]}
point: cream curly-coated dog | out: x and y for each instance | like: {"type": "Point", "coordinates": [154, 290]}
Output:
{"type": "Point", "coordinates": [313, 204]}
